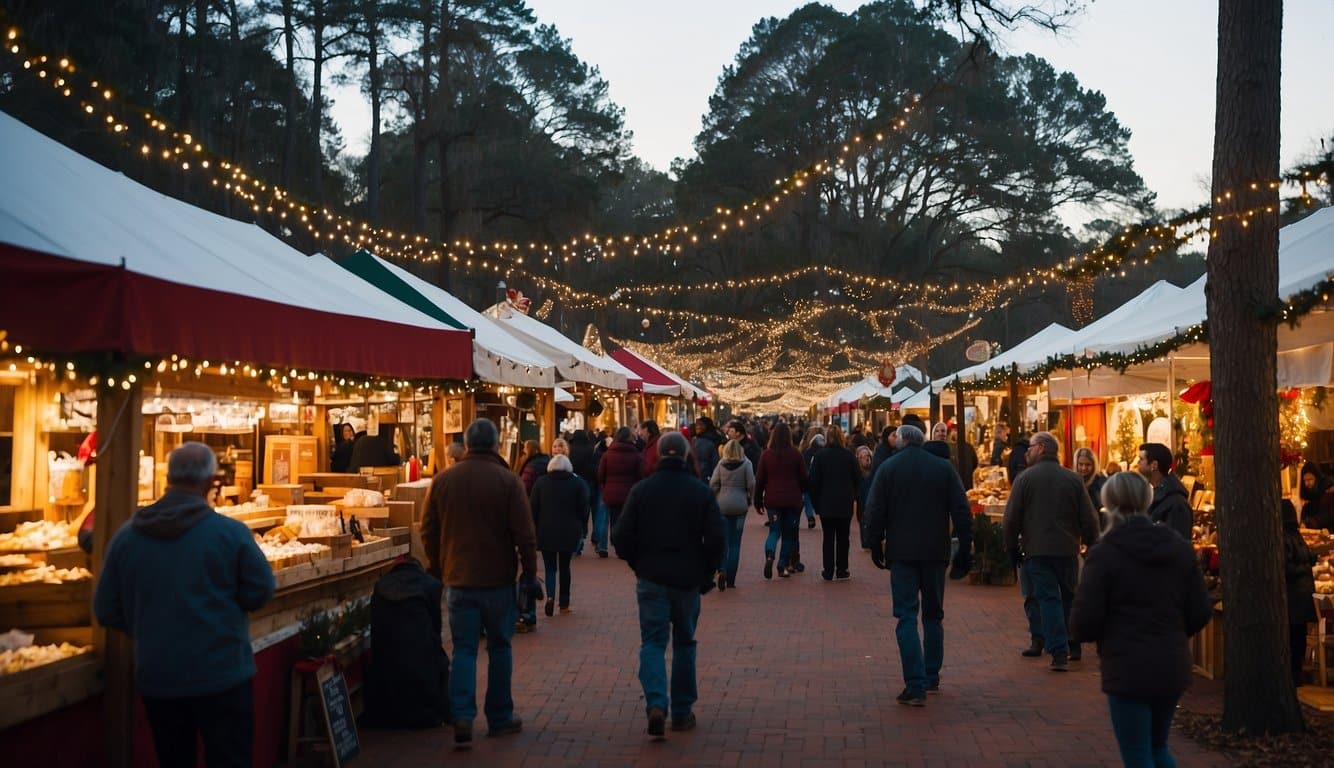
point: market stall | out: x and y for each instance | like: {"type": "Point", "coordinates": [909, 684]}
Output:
{"type": "Point", "coordinates": [145, 321]}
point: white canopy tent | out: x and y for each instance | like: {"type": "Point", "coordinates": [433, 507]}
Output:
{"type": "Point", "coordinates": [1046, 338]}
{"type": "Point", "coordinates": [498, 356]}
{"type": "Point", "coordinates": [572, 361]}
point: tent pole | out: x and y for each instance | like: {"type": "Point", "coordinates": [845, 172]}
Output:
{"type": "Point", "coordinates": [1171, 402]}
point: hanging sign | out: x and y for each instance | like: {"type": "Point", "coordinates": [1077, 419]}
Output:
{"type": "Point", "coordinates": [886, 373]}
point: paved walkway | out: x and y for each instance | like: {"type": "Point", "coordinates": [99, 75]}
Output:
{"type": "Point", "coordinates": [793, 672]}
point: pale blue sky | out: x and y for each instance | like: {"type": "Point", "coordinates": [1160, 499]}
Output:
{"type": "Point", "coordinates": [1153, 59]}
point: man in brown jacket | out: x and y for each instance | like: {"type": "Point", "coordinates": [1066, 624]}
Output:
{"type": "Point", "coordinates": [477, 532]}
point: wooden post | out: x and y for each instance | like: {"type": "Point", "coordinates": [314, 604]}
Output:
{"type": "Point", "coordinates": [1015, 405]}
{"type": "Point", "coordinates": [119, 428]}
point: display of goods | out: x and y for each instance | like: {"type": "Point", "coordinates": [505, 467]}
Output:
{"type": "Point", "coordinates": [37, 655]}
{"type": "Point", "coordinates": [314, 519]}
{"type": "Point", "coordinates": [361, 497]}
{"type": "Point", "coordinates": [282, 554]}
{"type": "Point", "coordinates": [15, 561]}
{"type": "Point", "coordinates": [1323, 571]}
{"type": "Point", "coordinates": [42, 534]}
{"type": "Point", "coordinates": [46, 574]}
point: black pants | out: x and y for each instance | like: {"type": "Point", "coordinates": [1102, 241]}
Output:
{"type": "Point", "coordinates": [225, 720]}
{"type": "Point", "coordinates": [553, 561]}
{"type": "Point", "coordinates": [835, 544]}
{"type": "Point", "coordinates": [1297, 650]}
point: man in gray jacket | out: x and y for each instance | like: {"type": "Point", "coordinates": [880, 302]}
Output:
{"type": "Point", "coordinates": [1050, 509]}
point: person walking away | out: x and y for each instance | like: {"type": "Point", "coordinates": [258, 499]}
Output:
{"type": "Point", "coordinates": [863, 491]}
{"type": "Point", "coordinates": [914, 499]}
{"type": "Point", "coordinates": [779, 483]}
{"type": "Point", "coordinates": [1171, 504]}
{"type": "Point", "coordinates": [1018, 460]}
{"type": "Point", "coordinates": [835, 477]}
{"type": "Point", "coordinates": [559, 504]}
{"type": "Point", "coordinates": [810, 445]}
{"type": "Point", "coordinates": [1297, 563]}
{"type": "Point", "coordinates": [733, 484]}
{"type": "Point", "coordinates": [621, 467]}
{"type": "Point", "coordinates": [883, 449]}
{"type": "Point", "coordinates": [671, 534]}
{"type": "Point", "coordinates": [1086, 466]}
{"type": "Point", "coordinates": [1142, 596]}
{"type": "Point", "coordinates": [707, 446]}
{"type": "Point", "coordinates": [179, 579]}
{"type": "Point", "coordinates": [650, 434]}
{"type": "Point", "coordinates": [1052, 514]}
{"type": "Point", "coordinates": [583, 458]}
{"type": "Point", "coordinates": [478, 532]}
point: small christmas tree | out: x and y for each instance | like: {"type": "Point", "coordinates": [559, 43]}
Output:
{"type": "Point", "coordinates": [1128, 437]}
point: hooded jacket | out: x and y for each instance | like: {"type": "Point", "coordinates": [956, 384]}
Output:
{"type": "Point", "coordinates": [670, 530]}
{"type": "Point", "coordinates": [733, 483]}
{"type": "Point", "coordinates": [1140, 597]}
{"type": "Point", "coordinates": [179, 579]}
{"type": "Point", "coordinates": [706, 448]}
{"type": "Point", "coordinates": [833, 482]}
{"type": "Point", "coordinates": [560, 511]}
{"type": "Point", "coordinates": [1171, 506]}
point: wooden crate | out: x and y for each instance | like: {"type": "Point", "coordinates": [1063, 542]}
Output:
{"type": "Point", "coordinates": [418, 493]}
{"type": "Point", "coordinates": [70, 557]}
{"type": "Point", "coordinates": [321, 480]}
{"type": "Point", "coordinates": [340, 546]}
{"type": "Point", "coordinates": [37, 691]}
{"type": "Point", "coordinates": [399, 535]}
{"type": "Point", "coordinates": [372, 547]}
{"type": "Point", "coordinates": [401, 513]}
{"type": "Point", "coordinates": [283, 494]}
{"type": "Point", "coordinates": [1206, 648]}
{"type": "Point", "coordinates": [46, 605]}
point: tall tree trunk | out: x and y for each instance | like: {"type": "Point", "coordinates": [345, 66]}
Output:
{"type": "Point", "coordinates": [443, 140]}
{"type": "Point", "coordinates": [289, 109]}
{"type": "Point", "coordinates": [422, 129]}
{"type": "Point", "coordinates": [317, 28]}
{"type": "Point", "coordinates": [373, 158]}
{"type": "Point", "coordinates": [1241, 293]}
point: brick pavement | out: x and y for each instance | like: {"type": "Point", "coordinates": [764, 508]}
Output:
{"type": "Point", "coordinates": [793, 672]}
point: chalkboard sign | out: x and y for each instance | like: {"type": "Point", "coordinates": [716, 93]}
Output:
{"type": "Point", "coordinates": [338, 714]}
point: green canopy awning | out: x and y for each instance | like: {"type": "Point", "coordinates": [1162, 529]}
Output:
{"type": "Point", "coordinates": [368, 268]}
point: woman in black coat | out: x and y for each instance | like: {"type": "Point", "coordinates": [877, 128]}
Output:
{"type": "Point", "coordinates": [1297, 563]}
{"type": "Point", "coordinates": [560, 514]}
{"type": "Point", "coordinates": [1140, 598]}
{"type": "Point", "coordinates": [834, 478]}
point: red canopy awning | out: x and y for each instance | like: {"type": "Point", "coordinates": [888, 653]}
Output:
{"type": "Point", "coordinates": [61, 306]}
{"type": "Point", "coordinates": [655, 381]}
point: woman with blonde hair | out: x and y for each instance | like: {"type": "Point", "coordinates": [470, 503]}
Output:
{"type": "Point", "coordinates": [733, 482]}
{"type": "Point", "coordinates": [1140, 598]}
{"type": "Point", "coordinates": [1086, 466]}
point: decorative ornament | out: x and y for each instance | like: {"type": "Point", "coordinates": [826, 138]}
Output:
{"type": "Point", "coordinates": [644, 323]}
{"type": "Point", "coordinates": [517, 300]}
{"type": "Point", "coordinates": [887, 372]}
{"type": "Point", "coordinates": [1202, 393]}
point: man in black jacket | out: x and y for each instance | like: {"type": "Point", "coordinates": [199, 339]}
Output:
{"type": "Point", "coordinates": [671, 533]}
{"type": "Point", "coordinates": [1170, 506]}
{"type": "Point", "coordinates": [914, 498]}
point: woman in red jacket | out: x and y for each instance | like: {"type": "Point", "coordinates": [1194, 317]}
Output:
{"type": "Point", "coordinates": [779, 485]}
{"type": "Point", "coordinates": [620, 468]}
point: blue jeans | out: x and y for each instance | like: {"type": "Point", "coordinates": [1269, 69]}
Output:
{"type": "Point", "coordinates": [810, 508]}
{"type": "Point", "coordinates": [1030, 604]}
{"type": "Point", "coordinates": [1054, 580]}
{"type": "Point", "coordinates": [470, 611]}
{"type": "Point", "coordinates": [599, 524]}
{"type": "Point", "coordinates": [783, 523]}
{"type": "Point", "coordinates": [922, 658]}
{"type": "Point", "coordinates": [733, 527]}
{"type": "Point", "coordinates": [1141, 727]}
{"type": "Point", "coordinates": [663, 612]}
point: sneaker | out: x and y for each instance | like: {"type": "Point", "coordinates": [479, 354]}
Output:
{"type": "Point", "coordinates": [911, 698]}
{"type": "Point", "coordinates": [1076, 653]}
{"type": "Point", "coordinates": [657, 722]}
{"type": "Point", "coordinates": [686, 723]}
{"type": "Point", "coordinates": [602, 553]}
{"type": "Point", "coordinates": [810, 523]}
{"type": "Point", "coordinates": [843, 576]}
{"type": "Point", "coordinates": [722, 581]}
{"type": "Point", "coordinates": [797, 567]}
{"type": "Point", "coordinates": [783, 572]}
{"type": "Point", "coordinates": [933, 686]}
{"type": "Point", "coordinates": [769, 566]}
{"type": "Point", "coordinates": [1060, 663]}
{"type": "Point", "coordinates": [515, 725]}
{"type": "Point", "coordinates": [462, 734]}
{"type": "Point", "coordinates": [551, 607]}
{"type": "Point", "coordinates": [1034, 650]}
{"type": "Point", "coordinates": [826, 575]}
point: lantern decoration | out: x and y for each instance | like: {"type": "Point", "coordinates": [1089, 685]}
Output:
{"type": "Point", "coordinates": [518, 300]}
{"type": "Point", "coordinates": [1202, 393]}
{"type": "Point", "coordinates": [644, 323]}
{"type": "Point", "coordinates": [886, 373]}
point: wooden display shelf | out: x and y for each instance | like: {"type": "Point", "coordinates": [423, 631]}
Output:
{"type": "Point", "coordinates": [256, 514]}
{"type": "Point", "coordinates": [321, 585]}
{"type": "Point", "coordinates": [46, 605]}
{"type": "Point", "coordinates": [37, 691]}
{"type": "Point", "coordinates": [362, 513]}
{"type": "Point", "coordinates": [372, 547]}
